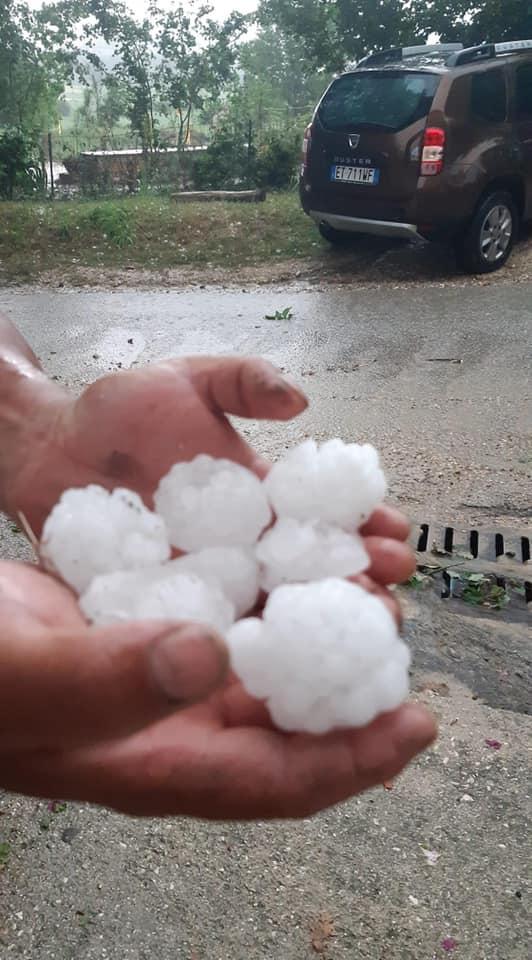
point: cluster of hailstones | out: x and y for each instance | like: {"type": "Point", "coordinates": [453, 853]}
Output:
{"type": "Point", "coordinates": [324, 652]}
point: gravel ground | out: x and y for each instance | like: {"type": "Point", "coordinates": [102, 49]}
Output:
{"type": "Point", "coordinates": [438, 866]}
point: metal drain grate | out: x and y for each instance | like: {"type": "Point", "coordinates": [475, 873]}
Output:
{"type": "Point", "coordinates": [503, 554]}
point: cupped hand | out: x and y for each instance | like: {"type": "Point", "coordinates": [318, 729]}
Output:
{"type": "Point", "coordinates": [112, 715]}
{"type": "Point", "coordinates": [146, 718]}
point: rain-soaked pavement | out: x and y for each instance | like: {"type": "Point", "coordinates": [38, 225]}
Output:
{"type": "Point", "coordinates": [437, 377]}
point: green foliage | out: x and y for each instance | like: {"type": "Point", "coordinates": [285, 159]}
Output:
{"type": "Point", "coordinates": [113, 222]}
{"type": "Point", "coordinates": [337, 31]}
{"type": "Point", "coordinates": [62, 237]}
{"type": "Point", "coordinates": [277, 159]}
{"type": "Point", "coordinates": [229, 160]}
{"type": "Point", "coordinates": [233, 160]}
{"type": "Point", "coordinates": [20, 174]}
{"type": "Point", "coordinates": [4, 854]}
{"type": "Point", "coordinates": [286, 314]}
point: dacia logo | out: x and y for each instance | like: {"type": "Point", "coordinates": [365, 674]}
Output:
{"type": "Point", "coordinates": [354, 140]}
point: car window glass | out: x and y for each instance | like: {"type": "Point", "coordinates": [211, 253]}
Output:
{"type": "Point", "coordinates": [488, 96]}
{"type": "Point", "coordinates": [524, 92]}
{"type": "Point", "coordinates": [389, 101]}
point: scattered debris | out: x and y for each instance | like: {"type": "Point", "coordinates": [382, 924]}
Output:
{"type": "Point", "coordinates": [493, 744]}
{"type": "Point", "coordinates": [321, 932]}
{"type": "Point", "coordinates": [130, 340]}
{"type": "Point", "coordinates": [286, 314]}
{"type": "Point", "coordinates": [432, 856]}
{"type": "Point", "coordinates": [56, 806]}
{"type": "Point", "coordinates": [413, 900]}
{"type": "Point", "coordinates": [4, 855]}
{"type": "Point", "coordinates": [443, 360]}
{"type": "Point", "coordinates": [388, 785]}
{"type": "Point", "coordinates": [449, 944]}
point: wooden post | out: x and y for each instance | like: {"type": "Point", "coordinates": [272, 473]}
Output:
{"type": "Point", "coordinates": [50, 158]}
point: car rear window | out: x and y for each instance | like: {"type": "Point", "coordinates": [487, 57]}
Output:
{"type": "Point", "coordinates": [390, 101]}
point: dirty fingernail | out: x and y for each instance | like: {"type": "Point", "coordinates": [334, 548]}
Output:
{"type": "Point", "coordinates": [188, 663]}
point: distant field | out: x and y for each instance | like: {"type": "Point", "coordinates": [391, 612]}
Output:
{"type": "Point", "coordinates": [153, 233]}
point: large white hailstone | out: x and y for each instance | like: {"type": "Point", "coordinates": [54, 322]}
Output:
{"type": "Point", "coordinates": [338, 483]}
{"type": "Point", "coordinates": [233, 569]}
{"type": "Point", "coordinates": [91, 532]}
{"type": "Point", "coordinates": [155, 594]}
{"type": "Point", "coordinates": [326, 655]}
{"type": "Point", "coordinates": [212, 503]}
{"type": "Point", "coordinates": [295, 551]}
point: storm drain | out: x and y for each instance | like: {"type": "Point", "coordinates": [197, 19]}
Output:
{"type": "Point", "coordinates": [501, 557]}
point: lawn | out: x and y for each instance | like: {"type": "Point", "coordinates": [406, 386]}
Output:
{"type": "Point", "coordinates": [150, 232]}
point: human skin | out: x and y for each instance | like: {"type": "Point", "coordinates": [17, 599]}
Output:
{"type": "Point", "coordinates": [147, 718]}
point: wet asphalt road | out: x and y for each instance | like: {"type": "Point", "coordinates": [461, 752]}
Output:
{"type": "Point", "coordinates": [437, 378]}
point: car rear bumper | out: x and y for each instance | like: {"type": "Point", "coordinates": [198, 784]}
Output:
{"type": "Point", "coordinates": [381, 228]}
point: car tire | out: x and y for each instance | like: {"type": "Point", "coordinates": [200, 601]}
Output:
{"type": "Point", "coordinates": [338, 238]}
{"type": "Point", "coordinates": [489, 239]}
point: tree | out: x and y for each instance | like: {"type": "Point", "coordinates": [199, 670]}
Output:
{"type": "Point", "coordinates": [173, 61]}
{"type": "Point", "coordinates": [336, 31]}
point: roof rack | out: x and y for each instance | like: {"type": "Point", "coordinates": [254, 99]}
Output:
{"type": "Point", "coordinates": [487, 51]}
{"type": "Point", "coordinates": [396, 54]}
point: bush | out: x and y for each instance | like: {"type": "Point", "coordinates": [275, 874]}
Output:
{"type": "Point", "coordinates": [228, 161]}
{"type": "Point", "coordinates": [277, 160]}
{"type": "Point", "coordinates": [113, 221]}
{"type": "Point", "coordinates": [19, 172]}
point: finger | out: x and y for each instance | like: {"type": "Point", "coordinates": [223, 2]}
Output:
{"type": "Point", "coordinates": [390, 560]}
{"type": "Point", "coordinates": [243, 774]}
{"type": "Point", "coordinates": [386, 521]}
{"type": "Point", "coordinates": [246, 387]}
{"type": "Point", "coordinates": [68, 686]}
{"type": "Point", "coordinates": [388, 598]}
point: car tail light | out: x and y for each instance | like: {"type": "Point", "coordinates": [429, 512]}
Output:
{"type": "Point", "coordinates": [305, 150]}
{"type": "Point", "coordinates": [433, 152]}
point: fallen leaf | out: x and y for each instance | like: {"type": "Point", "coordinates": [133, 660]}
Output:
{"type": "Point", "coordinates": [449, 944]}
{"type": "Point", "coordinates": [493, 744]}
{"type": "Point", "coordinates": [321, 932]}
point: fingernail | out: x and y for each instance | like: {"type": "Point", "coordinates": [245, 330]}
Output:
{"type": "Point", "coordinates": [283, 384]}
{"type": "Point", "coordinates": [415, 726]}
{"type": "Point", "coordinates": [188, 663]}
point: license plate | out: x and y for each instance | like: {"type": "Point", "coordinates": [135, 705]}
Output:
{"type": "Point", "coordinates": [368, 176]}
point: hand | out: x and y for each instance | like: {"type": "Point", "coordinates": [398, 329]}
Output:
{"type": "Point", "coordinates": [110, 716]}
{"type": "Point", "coordinates": [115, 738]}
{"type": "Point", "coordinates": [128, 428]}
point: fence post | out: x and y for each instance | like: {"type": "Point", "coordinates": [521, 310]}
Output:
{"type": "Point", "coordinates": [50, 158]}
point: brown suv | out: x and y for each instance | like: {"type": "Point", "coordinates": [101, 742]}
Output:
{"type": "Point", "coordinates": [429, 141]}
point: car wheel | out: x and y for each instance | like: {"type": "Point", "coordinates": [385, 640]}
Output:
{"type": "Point", "coordinates": [338, 238]}
{"type": "Point", "coordinates": [489, 239]}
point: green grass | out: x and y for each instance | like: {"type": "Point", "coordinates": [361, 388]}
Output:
{"type": "Point", "coordinates": [155, 233]}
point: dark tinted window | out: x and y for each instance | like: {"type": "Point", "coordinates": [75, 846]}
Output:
{"type": "Point", "coordinates": [488, 96]}
{"type": "Point", "coordinates": [387, 100]}
{"type": "Point", "coordinates": [524, 92]}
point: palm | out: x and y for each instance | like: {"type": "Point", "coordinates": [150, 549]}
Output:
{"type": "Point", "coordinates": [128, 429]}
{"type": "Point", "coordinates": [222, 758]}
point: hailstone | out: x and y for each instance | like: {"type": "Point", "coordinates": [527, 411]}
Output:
{"type": "Point", "coordinates": [91, 532]}
{"type": "Point", "coordinates": [337, 483]}
{"type": "Point", "coordinates": [212, 503]}
{"type": "Point", "coordinates": [233, 569]}
{"type": "Point", "coordinates": [295, 551]}
{"type": "Point", "coordinates": [326, 655]}
{"type": "Point", "coordinates": [155, 594]}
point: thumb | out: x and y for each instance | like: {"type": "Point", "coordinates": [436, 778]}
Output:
{"type": "Point", "coordinates": [60, 687]}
